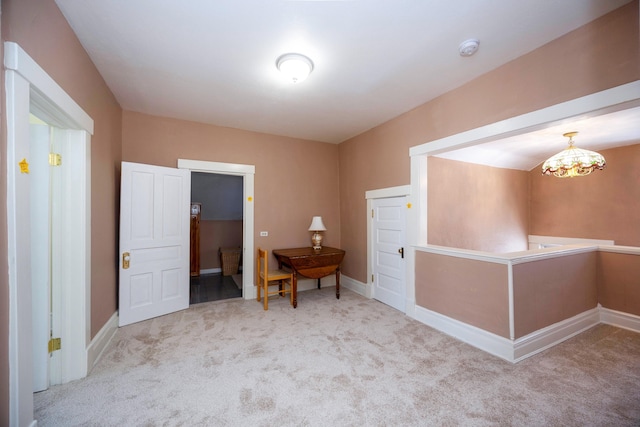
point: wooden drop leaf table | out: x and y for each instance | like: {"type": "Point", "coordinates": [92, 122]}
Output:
{"type": "Point", "coordinates": [312, 263]}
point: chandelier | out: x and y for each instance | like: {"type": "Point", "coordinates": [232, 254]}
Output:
{"type": "Point", "coordinates": [573, 161]}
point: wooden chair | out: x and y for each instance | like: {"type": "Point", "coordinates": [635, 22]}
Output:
{"type": "Point", "coordinates": [266, 278]}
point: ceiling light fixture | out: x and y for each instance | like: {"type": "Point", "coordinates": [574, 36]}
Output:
{"type": "Point", "coordinates": [294, 66]}
{"type": "Point", "coordinates": [573, 161]}
{"type": "Point", "coordinates": [468, 47]}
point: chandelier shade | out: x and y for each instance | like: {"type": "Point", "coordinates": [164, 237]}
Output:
{"type": "Point", "coordinates": [573, 161]}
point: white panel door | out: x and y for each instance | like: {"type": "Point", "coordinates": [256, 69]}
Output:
{"type": "Point", "coordinates": [388, 239]}
{"type": "Point", "coordinates": [154, 232]}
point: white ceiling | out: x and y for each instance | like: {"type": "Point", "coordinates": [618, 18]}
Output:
{"type": "Point", "coordinates": [214, 61]}
{"type": "Point", "coordinates": [526, 151]}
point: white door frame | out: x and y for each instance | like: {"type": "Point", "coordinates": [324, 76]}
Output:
{"type": "Point", "coordinates": [248, 173]}
{"type": "Point", "coordinates": [383, 193]}
{"type": "Point", "coordinates": [29, 87]}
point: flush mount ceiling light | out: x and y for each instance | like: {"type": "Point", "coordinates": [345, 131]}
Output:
{"type": "Point", "coordinates": [294, 66]}
{"type": "Point", "coordinates": [468, 47]}
{"type": "Point", "coordinates": [573, 161]}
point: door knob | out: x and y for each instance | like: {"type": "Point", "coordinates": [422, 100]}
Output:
{"type": "Point", "coordinates": [125, 260]}
{"type": "Point", "coordinates": [401, 252]}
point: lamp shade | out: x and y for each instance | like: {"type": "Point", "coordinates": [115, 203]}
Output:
{"type": "Point", "coordinates": [317, 224]}
{"type": "Point", "coordinates": [573, 161]}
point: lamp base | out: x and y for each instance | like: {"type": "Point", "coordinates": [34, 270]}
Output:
{"type": "Point", "coordinates": [316, 239]}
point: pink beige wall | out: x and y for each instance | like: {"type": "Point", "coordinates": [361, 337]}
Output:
{"type": "Point", "coordinates": [477, 207]}
{"type": "Point", "coordinates": [600, 55]}
{"type": "Point", "coordinates": [603, 205]}
{"type": "Point", "coordinates": [619, 282]}
{"type": "Point", "coordinates": [490, 209]}
{"type": "Point", "coordinates": [41, 30]}
{"type": "Point", "coordinates": [294, 179]}
{"type": "Point", "coordinates": [471, 291]}
{"type": "Point", "coordinates": [545, 291]}
{"type": "Point", "coordinates": [551, 290]}
{"type": "Point", "coordinates": [215, 235]}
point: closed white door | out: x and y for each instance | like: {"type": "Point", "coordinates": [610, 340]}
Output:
{"type": "Point", "coordinates": [388, 263]}
{"type": "Point", "coordinates": [154, 241]}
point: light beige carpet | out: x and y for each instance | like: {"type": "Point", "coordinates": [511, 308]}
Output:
{"type": "Point", "coordinates": [352, 361]}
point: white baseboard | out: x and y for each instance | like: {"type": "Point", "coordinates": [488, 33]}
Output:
{"type": "Point", "coordinates": [527, 346]}
{"type": "Point", "coordinates": [620, 319]}
{"type": "Point", "coordinates": [211, 271]}
{"type": "Point", "coordinates": [100, 341]}
{"type": "Point", "coordinates": [479, 338]}
{"type": "Point", "coordinates": [545, 338]}
{"type": "Point", "coordinates": [354, 285]}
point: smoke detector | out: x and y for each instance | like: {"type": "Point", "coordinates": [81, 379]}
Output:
{"type": "Point", "coordinates": [468, 47]}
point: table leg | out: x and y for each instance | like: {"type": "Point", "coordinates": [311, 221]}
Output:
{"type": "Point", "coordinates": [338, 283]}
{"type": "Point", "coordinates": [294, 289]}
{"type": "Point", "coordinates": [318, 283]}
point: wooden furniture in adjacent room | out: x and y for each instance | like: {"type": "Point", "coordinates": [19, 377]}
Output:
{"type": "Point", "coordinates": [311, 263]}
{"type": "Point", "coordinates": [266, 278]}
{"type": "Point", "coordinates": [195, 239]}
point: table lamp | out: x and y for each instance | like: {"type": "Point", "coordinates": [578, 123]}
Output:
{"type": "Point", "coordinates": [317, 226]}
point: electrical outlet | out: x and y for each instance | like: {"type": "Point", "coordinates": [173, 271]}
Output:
{"type": "Point", "coordinates": [264, 233]}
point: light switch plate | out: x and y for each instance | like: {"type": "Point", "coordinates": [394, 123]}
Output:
{"type": "Point", "coordinates": [264, 233]}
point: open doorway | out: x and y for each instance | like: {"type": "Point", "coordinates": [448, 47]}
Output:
{"type": "Point", "coordinates": [217, 223]}
{"type": "Point", "coordinates": [247, 172]}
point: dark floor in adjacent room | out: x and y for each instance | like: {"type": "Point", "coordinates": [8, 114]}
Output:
{"type": "Point", "coordinates": [213, 287]}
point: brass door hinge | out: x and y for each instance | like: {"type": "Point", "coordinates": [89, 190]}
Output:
{"type": "Point", "coordinates": [372, 278]}
{"type": "Point", "coordinates": [54, 344]}
{"type": "Point", "coordinates": [55, 159]}
{"type": "Point", "coordinates": [371, 213]}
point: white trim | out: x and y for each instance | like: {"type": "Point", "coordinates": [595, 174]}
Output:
{"type": "Point", "coordinates": [557, 252]}
{"type": "Point", "coordinates": [417, 227]}
{"type": "Point", "coordinates": [527, 346]}
{"type": "Point", "coordinates": [545, 338]}
{"type": "Point", "coordinates": [99, 343]}
{"type": "Point", "coordinates": [630, 250]}
{"type": "Point", "coordinates": [512, 317]}
{"type": "Point", "coordinates": [217, 167]}
{"type": "Point", "coordinates": [383, 193]}
{"type": "Point", "coordinates": [248, 172]}
{"type": "Point", "coordinates": [511, 258]}
{"type": "Point", "coordinates": [211, 271]}
{"type": "Point", "coordinates": [554, 240]}
{"type": "Point", "coordinates": [476, 337]}
{"type": "Point", "coordinates": [620, 319]}
{"type": "Point", "coordinates": [465, 253]}
{"type": "Point", "coordinates": [354, 285]}
{"type": "Point", "coordinates": [28, 86]}
{"type": "Point", "coordinates": [18, 60]}
{"type": "Point", "coordinates": [18, 234]}
{"type": "Point", "coordinates": [516, 350]}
